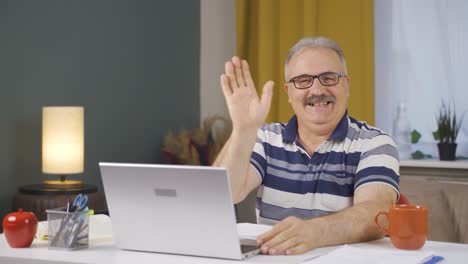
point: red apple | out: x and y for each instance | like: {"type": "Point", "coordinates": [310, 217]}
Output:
{"type": "Point", "coordinates": [20, 228]}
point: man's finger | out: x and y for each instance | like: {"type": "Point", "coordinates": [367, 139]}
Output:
{"type": "Point", "coordinates": [247, 76]}
{"type": "Point", "coordinates": [225, 86]}
{"type": "Point", "coordinates": [238, 71]}
{"type": "Point", "coordinates": [274, 231]}
{"type": "Point", "coordinates": [271, 246]}
{"type": "Point", "coordinates": [261, 239]}
{"type": "Point", "coordinates": [267, 94]}
{"type": "Point", "coordinates": [277, 245]}
{"type": "Point", "coordinates": [282, 247]}
{"type": "Point", "coordinates": [298, 249]}
{"type": "Point", "coordinates": [229, 69]}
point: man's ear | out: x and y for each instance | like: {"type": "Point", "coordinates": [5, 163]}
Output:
{"type": "Point", "coordinates": [286, 89]}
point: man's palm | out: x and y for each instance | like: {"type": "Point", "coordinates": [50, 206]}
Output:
{"type": "Point", "coordinates": [246, 109]}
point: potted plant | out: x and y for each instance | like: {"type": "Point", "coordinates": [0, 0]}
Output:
{"type": "Point", "coordinates": [199, 146]}
{"type": "Point", "coordinates": [448, 126]}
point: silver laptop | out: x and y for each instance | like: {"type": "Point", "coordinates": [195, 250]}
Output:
{"type": "Point", "coordinates": [173, 209]}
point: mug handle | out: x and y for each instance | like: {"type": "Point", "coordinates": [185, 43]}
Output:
{"type": "Point", "coordinates": [376, 220]}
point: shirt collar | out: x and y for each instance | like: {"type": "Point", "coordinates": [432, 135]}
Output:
{"type": "Point", "coordinates": [341, 129]}
{"type": "Point", "coordinates": [290, 131]}
{"type": "Point", "coordinates": [340, 132]}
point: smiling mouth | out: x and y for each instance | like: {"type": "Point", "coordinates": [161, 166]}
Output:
{"type": "Point", "coordinates": [319, 103]}
{"type": "Point", "coordinates": [319, 100]}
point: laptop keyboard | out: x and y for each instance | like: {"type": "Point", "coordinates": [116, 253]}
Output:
{"type": "Point", "coordinates": [248, 248]}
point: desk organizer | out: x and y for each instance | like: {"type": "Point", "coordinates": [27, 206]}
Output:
{"type": "Point", "coordinates": [68, 230]}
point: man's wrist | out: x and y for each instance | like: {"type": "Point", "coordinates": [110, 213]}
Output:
{"type": "Point", "coordinates": [245, 133]}
{"type": "Point", "coordinates": [315, 228]}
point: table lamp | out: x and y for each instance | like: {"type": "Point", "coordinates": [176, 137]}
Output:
{"type": "Point", "coordinates": [62, 144]}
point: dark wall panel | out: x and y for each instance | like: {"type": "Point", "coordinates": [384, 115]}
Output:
{"type": "Point", "coordinates": [133, 65]}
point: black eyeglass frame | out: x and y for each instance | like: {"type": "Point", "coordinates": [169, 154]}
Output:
{"type": "Point", "coordinates": [338, 75]}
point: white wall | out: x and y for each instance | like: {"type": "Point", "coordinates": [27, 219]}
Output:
{"type": "Point", "coordinates": [218, 44]}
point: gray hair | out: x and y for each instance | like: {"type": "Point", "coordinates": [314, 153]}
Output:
{"type": "Point", "coordinates": [310, 43]}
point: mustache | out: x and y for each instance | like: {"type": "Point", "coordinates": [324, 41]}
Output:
{"type": "Point", "coordinates": [315, 99]}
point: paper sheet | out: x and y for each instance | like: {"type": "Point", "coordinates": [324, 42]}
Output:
{"type": "Point", "coordinates": [353, 255]}
{"type": "Point", "coordinates": [251, 231]}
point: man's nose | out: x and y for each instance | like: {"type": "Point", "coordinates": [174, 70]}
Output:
{"type": "Point", "coordinates": [317, 88]}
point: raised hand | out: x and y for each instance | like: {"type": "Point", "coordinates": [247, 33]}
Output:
{"type": "Point", "coordinates": [246, 109]}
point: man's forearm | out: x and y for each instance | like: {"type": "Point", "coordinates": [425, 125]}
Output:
{"type": "Point", "coordinates": [235, 157]}
{"type": "Point", "coordinates": [219, 159]}
{"type": "Point", "coordinates": [352, 225]}
{"type": "Point", "coordinates": [355, 224]}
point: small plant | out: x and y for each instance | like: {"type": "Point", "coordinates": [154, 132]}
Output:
{"type": "Point", "coordinates": [448, 125]}
{"type": "Point", "coordinates": [417, 155]}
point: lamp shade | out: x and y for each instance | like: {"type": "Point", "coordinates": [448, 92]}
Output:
{"type": "Point", "coordinates": [62, 139]}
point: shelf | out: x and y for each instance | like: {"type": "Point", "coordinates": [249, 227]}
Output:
{"type": "Point", "coordinates": [435, 170]}
{"type": "Point", "coordinates": [436, 164]}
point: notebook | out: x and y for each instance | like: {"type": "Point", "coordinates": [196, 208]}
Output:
{"type": "Point", "coordinates": [173, 209]}
{"type": "Point", "coordinates": [368, 254]}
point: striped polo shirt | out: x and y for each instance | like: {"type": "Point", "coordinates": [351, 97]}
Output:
{"type": "Point", "coordinates": [297, 184]}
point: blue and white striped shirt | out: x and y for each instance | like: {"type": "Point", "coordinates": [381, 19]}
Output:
{"type": "Point", "coordinates": [296, 184]}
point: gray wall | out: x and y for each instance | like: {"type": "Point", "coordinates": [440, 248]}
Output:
{"type": "Point", "coordinates": [133, 65]}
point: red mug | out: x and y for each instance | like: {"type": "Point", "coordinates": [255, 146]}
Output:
{"type": "Point", "coordinates": [407, 225]}
{"type": "Point", "coordinates": [19, 228]}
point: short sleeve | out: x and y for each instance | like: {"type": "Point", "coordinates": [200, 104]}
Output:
{"type": "Point", "coordinates": [258, 158]}
{"type": "Point", "coordinates": [379, 163]}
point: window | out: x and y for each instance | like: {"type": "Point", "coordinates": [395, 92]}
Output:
{"type": "Point", "coordinates": [421, 55]}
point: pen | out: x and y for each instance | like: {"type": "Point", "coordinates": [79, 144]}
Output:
{"type": "Point", "coordinates": [68, 204]}
{"type": "Point", "coordinates": [75, 229]}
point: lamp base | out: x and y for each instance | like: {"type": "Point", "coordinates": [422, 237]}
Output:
{"type": "Point", "coordinates": [42, 189]}
{"type": "Point", "coordinates": [36, 198]}
{"type": "Point", "coordinates": [59, 184]}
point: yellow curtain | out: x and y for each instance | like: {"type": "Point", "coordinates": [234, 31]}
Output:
{"type": "Point", "coordinates": [267, 29]}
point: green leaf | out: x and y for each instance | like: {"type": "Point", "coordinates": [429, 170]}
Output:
{"type": "Point", "coordinates": [420, 155]}
{"type": "Point", "coordinates": [435, 134]}
{"type": "Point", "coordinates": [415, 136]}
{"type": "Point", "coordinates": [448, 123]}
{"type": "Point", "coordinates": [417, 155]}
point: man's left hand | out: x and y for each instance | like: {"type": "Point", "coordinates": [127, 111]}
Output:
{"type": "Point", "coordinates": [291, 236]}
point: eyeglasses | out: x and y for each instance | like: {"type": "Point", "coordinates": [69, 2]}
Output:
{"type": "Point", "coordinates": [326, 79]}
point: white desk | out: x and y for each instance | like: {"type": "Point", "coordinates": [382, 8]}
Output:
{"type": "Point", "coordinates": [106, 252]}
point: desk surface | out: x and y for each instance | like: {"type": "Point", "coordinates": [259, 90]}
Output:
{"type": "Point", "coordinates": [106, 252]}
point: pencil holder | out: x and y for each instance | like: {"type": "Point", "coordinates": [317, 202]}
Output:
{"type": "Point", "coordinates": [67, 230]}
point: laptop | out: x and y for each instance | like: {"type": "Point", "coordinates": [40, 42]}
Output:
{"type": "Point", "coordinates": [174, 209]}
